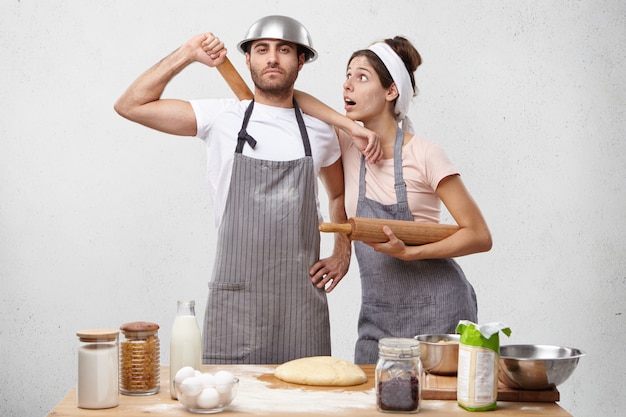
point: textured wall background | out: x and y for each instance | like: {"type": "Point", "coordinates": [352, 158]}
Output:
{"type": "Point", "coordinates": [103, 221]}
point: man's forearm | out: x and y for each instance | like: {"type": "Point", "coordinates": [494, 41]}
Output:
{"type": "Point", "coordinates": [337, 214]}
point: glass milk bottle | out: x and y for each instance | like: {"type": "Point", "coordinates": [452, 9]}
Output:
{"type": "Point", "coordinates": [97, 369]}
{"type": "Point", "coordinates": [185, 342]}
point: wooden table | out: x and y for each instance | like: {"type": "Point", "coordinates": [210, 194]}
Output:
{"type": "Point", "coordinates": [260, 393]}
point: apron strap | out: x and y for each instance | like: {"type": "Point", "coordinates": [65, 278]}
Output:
{"type": "Point", "coordinates": [399, 184]}
{"type": "Point", "coordinates": [303, 132]}
{"type": "Point", "coordinates": [243, 135]}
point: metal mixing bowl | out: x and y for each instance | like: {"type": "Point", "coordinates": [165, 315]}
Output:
{"type": "Point", "coordinates": [280, 27]}
{"type": "Point", "coordinates": [439, 353]}
{"type": "Point", "coordinates": [536, 367]}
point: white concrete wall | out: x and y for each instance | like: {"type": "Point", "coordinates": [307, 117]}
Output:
{"type": "Point", "coordinates": [103, 221]}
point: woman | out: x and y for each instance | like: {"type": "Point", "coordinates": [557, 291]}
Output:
{"type": "Point", "coordinates": [406, 290]}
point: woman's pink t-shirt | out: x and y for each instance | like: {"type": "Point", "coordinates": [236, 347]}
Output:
{"type": "Point", "coordinates": [424, 165]}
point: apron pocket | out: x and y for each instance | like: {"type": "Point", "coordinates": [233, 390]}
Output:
{"type": "Point", "coordinates": [227, 286]}
{"type": "Point", "coordinates": [227, 323]}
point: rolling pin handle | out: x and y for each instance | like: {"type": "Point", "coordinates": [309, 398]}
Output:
{"type": "Point", "coordinates": [234, 80]}
{"type": "Point", "coordinates": [345, 228]}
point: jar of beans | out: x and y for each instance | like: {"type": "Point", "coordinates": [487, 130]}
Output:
{"type": "Point", "coordinates": [398, 376]}
{"type": "Point", "coordinates": [139, 359]}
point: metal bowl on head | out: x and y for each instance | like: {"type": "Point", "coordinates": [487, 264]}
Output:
{"type": "Point", "coordinates": [439, 353]}
{"type": "Point", "coordinates": [280, 27]}
{"type": "Point", "coordinates": [536, 367]}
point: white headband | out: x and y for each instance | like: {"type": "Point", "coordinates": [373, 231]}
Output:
{"type": "Point", "coordinates": [401, 77]}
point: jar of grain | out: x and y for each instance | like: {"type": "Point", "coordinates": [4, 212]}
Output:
{"type": "Point", "coordinates": [97, 369]}
{"type": "Point", "coordinates": [398, 375]}
{"type": "Point", "coordinates": [140, 359]}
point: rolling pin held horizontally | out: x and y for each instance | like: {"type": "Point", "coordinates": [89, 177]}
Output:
{"type": "Point", "coordinates": [371, 230]}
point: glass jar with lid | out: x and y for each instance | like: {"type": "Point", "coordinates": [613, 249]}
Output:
{"type": "Point", "coordinates": [398, 376]}
{"type": "Point", "coordinates": [140, 359]}
{"type": "Point", "coordinates": [97, 369]}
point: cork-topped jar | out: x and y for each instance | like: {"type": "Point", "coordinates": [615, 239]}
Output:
{"type": "Point", "coordinates": [140, 359]}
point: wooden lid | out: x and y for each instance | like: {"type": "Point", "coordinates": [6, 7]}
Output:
{"type": "Point", "coordinates": [139, 327]}
{"type": "Point", "coordinates": [97, 335]}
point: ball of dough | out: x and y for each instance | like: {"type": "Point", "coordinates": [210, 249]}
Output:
{"type": "Point", "coordinates": [321, 370]}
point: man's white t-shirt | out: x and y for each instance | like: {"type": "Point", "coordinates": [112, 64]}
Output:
{"type": "Point", "coordinates": [274, 128]}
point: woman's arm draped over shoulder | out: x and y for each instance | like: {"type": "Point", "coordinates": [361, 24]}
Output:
{"type": "Point", "coordinates": [364, 139]}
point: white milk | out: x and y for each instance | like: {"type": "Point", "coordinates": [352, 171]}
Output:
{"type": "Point", "coordinates": [185, 346]}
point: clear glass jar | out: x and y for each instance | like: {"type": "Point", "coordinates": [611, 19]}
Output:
{"type": "Point", "coordinates": [140, 359]}
{"type": "Point", "coordinates": [97, 369]}
{"type": "Point", "coordinates": [398, 376]}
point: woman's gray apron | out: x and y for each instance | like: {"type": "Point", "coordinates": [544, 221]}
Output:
{"type": "Point", "coordinates": [405, 298]}
{"type": "Point", "coordinates": [262, 306]}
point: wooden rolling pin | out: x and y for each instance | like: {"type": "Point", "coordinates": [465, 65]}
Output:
{"type": "Point", "coordinates": [371, 230]}
{"type": "Point", "coordinates": [234, 80]}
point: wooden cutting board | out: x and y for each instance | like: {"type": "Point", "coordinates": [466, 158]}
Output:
{"type": "Point", "coordinates": [437, 387]}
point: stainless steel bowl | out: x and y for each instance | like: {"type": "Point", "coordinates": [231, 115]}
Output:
{"type": "Point", "coordinates": [536, 367]}
{"type": "Point", "coordinates": [439, 353]}
{"type": "Point", "coordinates": [280, 27]}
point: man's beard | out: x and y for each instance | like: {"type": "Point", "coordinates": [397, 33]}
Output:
{"type": "Point", "coordinates": [276, 88]}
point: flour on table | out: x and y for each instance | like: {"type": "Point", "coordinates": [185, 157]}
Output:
{"type": "Point", "coordinates": [258, 397]}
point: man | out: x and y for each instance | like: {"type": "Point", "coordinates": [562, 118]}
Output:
{"type": "Point", "coordinates": [267, 298]}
